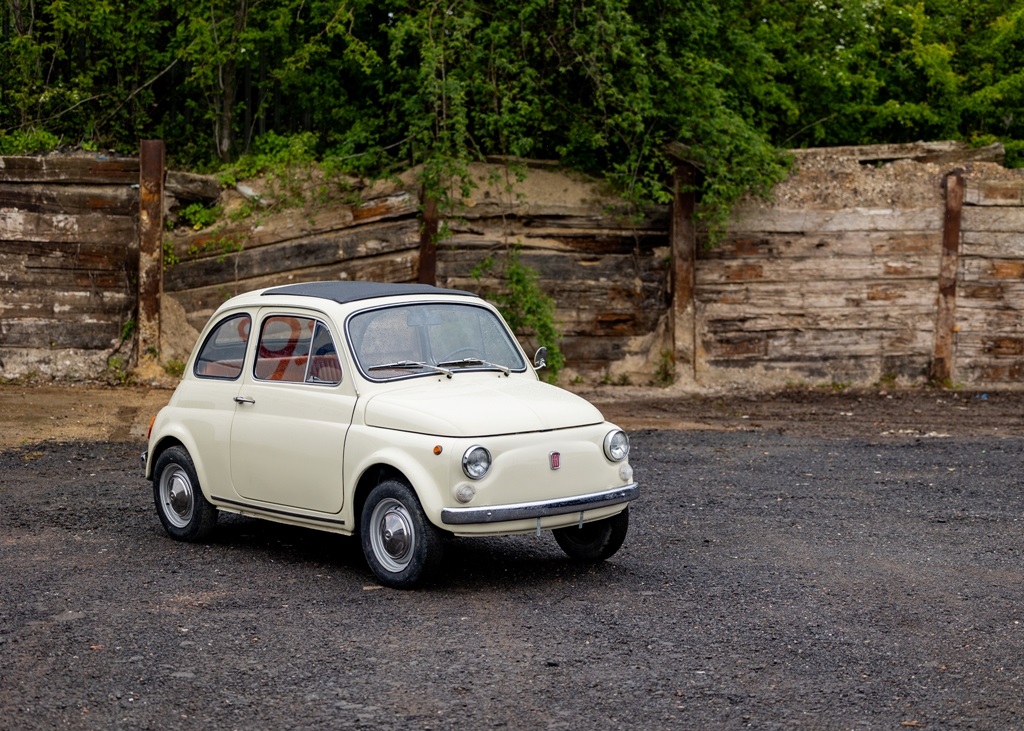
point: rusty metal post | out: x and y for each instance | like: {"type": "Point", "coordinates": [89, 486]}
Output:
{"type": "Point", "coordinates": [945, 316]}
{"type": "Point", "coordinates": [151, 225]}
{"type": "Point", "coordinates": [427, 272]}
{"type": "Point", "coordinates": [683, 240]}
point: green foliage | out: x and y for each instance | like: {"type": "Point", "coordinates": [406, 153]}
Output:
{"type": "Point", "coordinates": [170, 256]}
{"type": "Point", "coordinates": [199, 216]}
{"type": "Point", "coordinates": [524, 305]}
{"type": "Point", "coordinates": [220, 244]}
{"type": "Point", "coordinates": [665, 375]}
{"type": "Point", "coordinates": [27, 142]}
{"type": "Point", "coordinates": [174, 368]}
{"type": "Point", "coordinates": [605, 86]}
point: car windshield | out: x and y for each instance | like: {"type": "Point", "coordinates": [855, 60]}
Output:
{"type": "Point", "coordinates": [441, 338]}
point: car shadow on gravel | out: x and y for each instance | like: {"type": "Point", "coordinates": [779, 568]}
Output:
{"type": "Point", "coordinates": [469, 563]}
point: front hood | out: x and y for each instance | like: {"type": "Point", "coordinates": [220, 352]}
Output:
{"type": "Point", "coordinates": [471, 405]}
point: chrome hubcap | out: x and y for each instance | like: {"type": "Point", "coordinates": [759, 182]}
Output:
{"type": "Point", "coordinates": [177, 496]}
{"type": "Point", "coordinates": [393, 536]}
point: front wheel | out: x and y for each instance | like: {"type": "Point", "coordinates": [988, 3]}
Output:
{"type": "Point", "coordinates": [401, 546]}
{"type": "Point", "coordinates": [184, 511]}
{"type": "Point", "coordinates": [595, 541]}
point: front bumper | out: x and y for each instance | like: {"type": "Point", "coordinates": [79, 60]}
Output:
{"type": "Point", "coordinates": [541, 508]}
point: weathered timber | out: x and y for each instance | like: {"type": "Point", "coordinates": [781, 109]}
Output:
{"type": "Point", "coordinates": [761, 221]}
{"type": "Point", "coordinates": [558, 216]}
{"type": "Point", "coordinates": [838, 243]}
{"type": "Point", "coordinates": [1003, 245]}
{"type": "Point", "coordinates": [987, 320]}
{"type": "Point", "coordinates": [936, 152]}
{"type": "Point", "coordinates": [21, 302]}
{"type": "Point", "coordinates": [839, 269]}
{"type": "Point", "coordinates": [72, 169]}
{"type": "Point", "coordinates": [993, 218]}
{"type": "Point", "coordinates": [347, 245]}
{"type": "Point", "coordinates": [994, 192]}
{"type": "Point", "coordinates": [945, 316]}
{"type": "Point", "coordinates": [60, 333]}
{"type": "Point", "coordinates": [728, 320]}
{"type": "Point", "coordinates": [682, 231]}
{"type": "Point", "coordinates": [563, 267]}
{"type": "Point", "coordinates": [489, 243]}
{"type": "Point", "coordinates": [63, 228]}
{"type": "Point", "coordinates": [46, 279]}
{"type": "Point", "coordinates": [192, 187]}
{"type": "Point", "coordinates": [200, 302]}
{"type": "Point", "coordinates": [1008, 372]}
{"type": "Point", "coordinates": [429, 227]}
{"type": "Point", "coordinates": [399, 205]}
{"type": "Point", "coordinates": [813, 295]}
{"type": "Point", "coordinates": [74, 255]}
{"type": "Point", "coordinates": [149, 269]}
{"type": "Point", "coordinates": [786, 344]}
{"type": "Point", "coordinates": [977, 269]}
{"type": "Point", "coordinates": [118, 200]}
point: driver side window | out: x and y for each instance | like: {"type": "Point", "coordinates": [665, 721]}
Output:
{"type": "Point", "coordinates": [296, 350]}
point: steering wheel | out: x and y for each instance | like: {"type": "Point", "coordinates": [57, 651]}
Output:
{"type": "Point", "coordinates": [469, 352]}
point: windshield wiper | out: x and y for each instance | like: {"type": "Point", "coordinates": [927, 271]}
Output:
{"type": "Point", "coordinates": [475, 362]}
{"type": "Point", "coordinates": [409, 365]}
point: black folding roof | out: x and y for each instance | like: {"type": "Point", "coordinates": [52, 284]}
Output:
{"type": "Point", "coordinates": [343, 292]}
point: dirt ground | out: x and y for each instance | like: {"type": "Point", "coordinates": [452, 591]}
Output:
{"type": "Point", "coordinates": [74, 412]}
{"type": "Point", "coordinates": [777, 575]}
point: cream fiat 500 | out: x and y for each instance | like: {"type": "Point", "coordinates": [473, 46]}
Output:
{"type": "Point", "coordinates": [400, 413]}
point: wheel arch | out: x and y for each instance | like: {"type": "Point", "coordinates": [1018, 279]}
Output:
{"type": "Point", "coordinates": [181, 439]}
{"type": "Point", "coordinates": [371, 477]}
{"type": "Point", "coordinates": [159, 448]}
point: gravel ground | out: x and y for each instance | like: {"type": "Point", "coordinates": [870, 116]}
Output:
{"type": "Point", "coordinates": [779, 573]}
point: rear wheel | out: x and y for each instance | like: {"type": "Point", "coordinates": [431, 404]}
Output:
{"type": "Point", "coordinates": [401, 546]}
{"type": "Point", "coordinates": [184, 511]}
{"type": "Point", "coordinates": [594, 541]}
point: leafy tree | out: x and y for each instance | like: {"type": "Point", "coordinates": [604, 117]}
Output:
{"type": "Point", "coordinates": [605, 86]}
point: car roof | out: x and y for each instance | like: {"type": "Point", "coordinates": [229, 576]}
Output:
{"type": "Point", "coordinates": [343, 292]}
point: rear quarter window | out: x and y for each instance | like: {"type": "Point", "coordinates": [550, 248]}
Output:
{"type": "Point", "coordinates": [223, 353]}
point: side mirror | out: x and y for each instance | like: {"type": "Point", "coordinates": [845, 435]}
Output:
{"type": "Point", "coordinates": [541, 358]}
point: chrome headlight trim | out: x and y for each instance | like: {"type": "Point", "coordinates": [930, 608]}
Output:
{"type": "Point", "coordinates": [616, 445]}
{"type": "Point", "coordinates": [476, 462]}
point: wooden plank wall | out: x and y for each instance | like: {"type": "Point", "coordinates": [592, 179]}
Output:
{"type": "Point", "coordinates": [837, 281]}
{"type": "Point", "coordinates": [990, 296]}
{"type": "Point", "coordinates": [833, 283]}
{"type": "Point", "coordinates": [606, 272]}
{"type": "Point", "coordinates": [375, 240]}
{"type": "Point", "coordinates": [68, 256]}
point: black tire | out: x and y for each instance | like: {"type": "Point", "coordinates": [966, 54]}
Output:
{"type": "Point", "coordinates": [595, 541]}
{"type": "Point", "coordinates": [401, 546]}
{"type": "Point", "coordinates": [184, 511]}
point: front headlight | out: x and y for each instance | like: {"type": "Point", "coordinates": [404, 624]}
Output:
{"type": "Point", "coordinates": [475, 462]}
{"type": "Point", "coordinates": [616, 445]}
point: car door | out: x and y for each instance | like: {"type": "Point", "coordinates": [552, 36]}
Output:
{"type": "Point", "coordinates": [293, 412]}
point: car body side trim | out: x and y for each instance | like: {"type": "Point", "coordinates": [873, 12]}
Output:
{"type": "Point", "coordinates": [540, 508]}
{"type": "Point", "coordinates": [251, 509]}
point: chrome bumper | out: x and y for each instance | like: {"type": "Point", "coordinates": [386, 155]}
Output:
{"type": "Point", "coordinates": [540, 509]}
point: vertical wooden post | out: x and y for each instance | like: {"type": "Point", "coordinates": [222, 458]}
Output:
{"type": "Point", "coordinates": [683, 240]}
{"type": "Point", "coordinates": [945, 317]}
{"type": "Point", "coordinates": [427, 272]}
{"type": "Point", "coordinates": [151, 226]}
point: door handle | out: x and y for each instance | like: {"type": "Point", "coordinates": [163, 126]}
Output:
{"type": "Point", "coordinates": [244, 400]}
